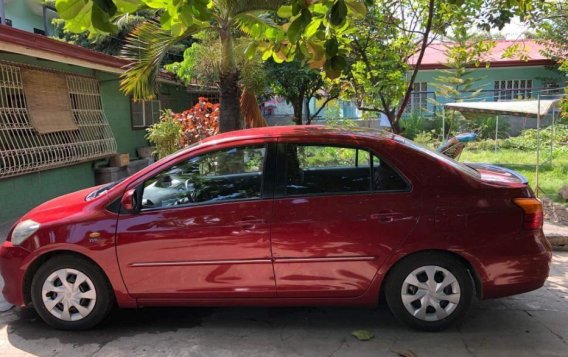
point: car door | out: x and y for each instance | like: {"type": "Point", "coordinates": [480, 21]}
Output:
{"type": "Point", "coordinates": [202, 230]}
{"type": "Point", "coordinates": [339, 211]}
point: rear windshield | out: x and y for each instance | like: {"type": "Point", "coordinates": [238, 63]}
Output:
{"type": "Point", "coordinates": [437, 155]}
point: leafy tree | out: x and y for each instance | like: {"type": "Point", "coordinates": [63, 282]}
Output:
{"type": "Point", "coordinates": [201, 63]}
{"type": "Point", "coordinates": [110, 44]}
{"type": "Point", "coordinates": [149, 42]}
{"type": "Point", "coordinates": [551, 29]}
{"type": "Point", "coordinates": [387, 46]}
{"type": "Point", "coordinates": [299, 84]}
{"type": "Point", "coordinates": [318, 31]}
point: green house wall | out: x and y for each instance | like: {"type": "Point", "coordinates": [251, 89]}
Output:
{"type": "Point", "coordinates": [486, 77]}
{"type": "Point", "coordinates": [22, 16]}
{"type": "Point", "coordinates": [20, 193]}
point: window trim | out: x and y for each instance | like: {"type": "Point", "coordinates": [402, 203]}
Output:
{"type": "Point", "coordinates": [505, 90]}
{"type": "Point", "coordinates": [263, 186]}
{"type": "Point", "coordinates": [145, 123]}
{"type": "Point", "coordinates": [280, 187]}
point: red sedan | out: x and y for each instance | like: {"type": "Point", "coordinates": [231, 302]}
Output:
{"type": "Point", "coordinates": [284, 216]}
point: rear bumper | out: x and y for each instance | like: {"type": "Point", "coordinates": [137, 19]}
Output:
{"type": "Point", "coordinates": [516, 275]}
{"type": "Point", "coordinates": [12, 261]}
{"type": "Point", "coordinates": [506, 275]}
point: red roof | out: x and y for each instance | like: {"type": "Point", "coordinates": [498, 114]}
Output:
{"type": "Point", "coordinates": [35, 42]}
{"type": "Point", "coordinates": [530, 55]}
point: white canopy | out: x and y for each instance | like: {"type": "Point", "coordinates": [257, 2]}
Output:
{"type": "Point", "coordinates": [527, 108]}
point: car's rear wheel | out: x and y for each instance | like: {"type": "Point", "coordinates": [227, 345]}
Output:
{"type": "Point", "coordinates": [71, 293]}
{"type": "Point", "coordinates": [429, 291]}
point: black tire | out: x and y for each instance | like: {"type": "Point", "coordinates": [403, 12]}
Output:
{"type": "Point", "coordinates": [414, 263]}
{"type": "Point", "coordinates": [99, 308]}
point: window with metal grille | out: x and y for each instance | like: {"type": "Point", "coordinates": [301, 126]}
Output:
{"type": "Point", "coordinates": [23, 150]}
{"type": "Point", "coordinates": [145, 113]}
{"type": "Point", "coordinates": [513, 89]}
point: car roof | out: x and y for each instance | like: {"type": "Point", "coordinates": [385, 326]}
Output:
{"type": "Point", "coordinates": [307, 131]}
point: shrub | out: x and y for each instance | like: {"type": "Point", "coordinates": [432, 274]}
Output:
{"type": "Point", "coordinates": [485, 128]}
{"type": "Point", "coordinates": [527, 140]}
{"type": "Point", "coordinates": [199, 122]}
{"type": "Point", "coordinates": [412, 125]}
{"type": "Point", "coordinates": [165, 134]}
{"type": "Point", "coordinates": [178, 130]}
{"type": "Point", "coordinates": [427, 138]}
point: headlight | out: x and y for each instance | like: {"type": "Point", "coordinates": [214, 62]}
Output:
{"type": "Point", "coordinates": [23, 231]}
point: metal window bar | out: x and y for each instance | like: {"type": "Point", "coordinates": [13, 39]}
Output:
{"type": "Point", "coordinates": [23, 151]}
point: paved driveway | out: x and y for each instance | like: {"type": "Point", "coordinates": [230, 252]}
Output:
{"type": "Point", "coordinates": [533, 324]}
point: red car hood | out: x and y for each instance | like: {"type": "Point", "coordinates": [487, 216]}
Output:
{"type": "Point", "coordinates": [498, 175]}
{"type": "Point", "coordinates": [66, 206]}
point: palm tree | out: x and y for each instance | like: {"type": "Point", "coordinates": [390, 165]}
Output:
{"type": "Point", "coordinates": [148, 44]}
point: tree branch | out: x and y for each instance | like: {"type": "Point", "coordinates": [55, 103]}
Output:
{"type": "Point", "coordinates": [329, 99]}
{"type": "Point", "coordinates": [410, 86]}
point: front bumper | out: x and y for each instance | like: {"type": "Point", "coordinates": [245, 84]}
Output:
{"type": "Point", "coordinates": [12, 268]}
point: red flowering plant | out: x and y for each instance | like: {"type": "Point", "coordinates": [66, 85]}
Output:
{"type": "Point", "coordinates": [199, 122]}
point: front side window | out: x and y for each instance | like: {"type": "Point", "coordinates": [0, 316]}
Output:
{"type": "Point", "coordinates": [313, 169]}
{"type": "Point", "coordinates": [224, 175]}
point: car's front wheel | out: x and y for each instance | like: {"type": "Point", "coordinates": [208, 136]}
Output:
{"type": "Point", "coordinates": [429, 291]}
{"type": "Point", "coordinates": [71, 293]}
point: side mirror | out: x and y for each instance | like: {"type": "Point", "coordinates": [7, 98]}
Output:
{"type": "Point", "coordinates": [129, 201]}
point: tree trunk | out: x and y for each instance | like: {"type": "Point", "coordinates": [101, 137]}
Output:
{"type": "Point", "coordinates": [230, 116]}
{"type": "Point", "coordinates": [308, 118]}
{"type": "Point", "coordinates": [394, 121]}
{"type": "Point", "coordinates": [298, 106]}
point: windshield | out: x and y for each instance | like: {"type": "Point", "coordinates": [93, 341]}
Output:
{"type": "Point", "coordinates": [102, 190]}
{"type": "Point", "coordinates": [433, 153]}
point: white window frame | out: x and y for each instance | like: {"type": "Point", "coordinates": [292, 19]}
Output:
{"type": "Point", "coordinates": [512, 89]}
{"type": "Point", "coordinates": [148, 118]}
{"type": "Point", "coordinates": [418, 101]}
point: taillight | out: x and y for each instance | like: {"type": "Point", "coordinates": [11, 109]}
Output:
{"type": "Point", "coordinates": [532, 207]}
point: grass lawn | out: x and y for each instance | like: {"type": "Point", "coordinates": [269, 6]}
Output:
{"type": "Point", "coordinates": [553, 174]}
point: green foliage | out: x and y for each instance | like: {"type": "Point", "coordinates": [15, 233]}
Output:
{"type": "Point", "coordinates": [201, 63]}
{"type": "Point", "coordinates": [412, 125]}
{"type": "Point", "coordinates": [165, 134]}
{"type": "Point", "coordinates": [317, 156]}
{"type": "Point", "coordinates": [427, 138]}
{"type": "Point", "coordinates": [485, 127]}
{"type": "Point", "coordinates": [107, 43]}
{"type": "Point", "coordinates": [551, 30]}
{"type": "Point", "coordinates": [529, 138]}
{"type": "Point", "coordinates": [296, 82]}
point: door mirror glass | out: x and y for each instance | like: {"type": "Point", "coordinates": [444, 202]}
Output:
{"type": "Point", "coordinates": [129, 201]}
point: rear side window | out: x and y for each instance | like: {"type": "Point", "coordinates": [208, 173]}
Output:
{"type": "Point", "coordinates": [318, 169]}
